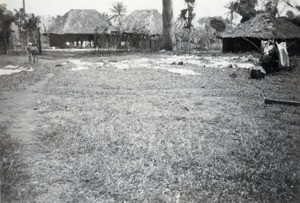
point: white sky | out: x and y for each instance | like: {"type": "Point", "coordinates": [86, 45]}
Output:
{"type": "Point", "coordinates": [60, 7]}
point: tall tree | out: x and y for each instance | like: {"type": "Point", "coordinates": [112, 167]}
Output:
{"type": "Point", "coordinates": [118, 11]}
{"type": "Point", "coordinates": [271, 7]}
{"type": "Point", "coordinates": [218, 24]}
{"type": "Point", "coordinates": [207, 32]}
{"type": "Point", "coordinates": [168, 25]}
{"type": "Point", "coordinates": [246, 8]}
{"type": "Point", "coordinates": [28, 25]}
{"type": "Point", "coordinates": [187, 15]}
{"type": "Point", "coordinates": [290, 14]}
{"type": "Point", "coordinates": [232, 8]}
{"type": "Point", "coordinates": [6, 19]}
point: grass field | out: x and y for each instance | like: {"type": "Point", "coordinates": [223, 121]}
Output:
{"type": "Point", "coordinates": [133, 128]}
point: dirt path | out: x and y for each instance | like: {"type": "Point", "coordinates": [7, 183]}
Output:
{"type": "Point", "coordinates": [18, 116]}
{"type": "Point", "coordinates": [19, 110]}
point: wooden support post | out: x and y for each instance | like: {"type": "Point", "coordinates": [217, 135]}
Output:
{"type": "Point", "coordinates": [289, 103]}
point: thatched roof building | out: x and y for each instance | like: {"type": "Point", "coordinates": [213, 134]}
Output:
{"type": "Point", "coordinates": [264, 26]}
{"type": "Point", "coordinates": [247, 36]}
{"type": "Point", "coordinates": [81, 21]}
{"type": "Point", "coordinates": [78, 25]}
{"type": "Point", "coordinates": [147, 22]}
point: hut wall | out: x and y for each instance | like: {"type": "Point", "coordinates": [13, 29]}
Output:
{"type": "Point", "coordinates": [2, 44]}
{"type": "Point", "coordinates": [109, 41]}
{"type": "Point", "coordinates": [236, 45]}
{"type": "Point", "coordinates": [59, 41]}
{"type": "Point", "coordinates": [144, 42]}
{"type": "Point", "coordinates": [293, 47]}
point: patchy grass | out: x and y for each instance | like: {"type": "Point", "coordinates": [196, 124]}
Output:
{"type": "Point", "coordinates": [143, 134]}
{"type": "Point", "coordinates": [20, 81]}
{"type": "Point", "coordinates": [9, 174]}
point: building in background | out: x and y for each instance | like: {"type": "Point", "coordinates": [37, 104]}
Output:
{"type": "Point", "coordinates": [247, 36]}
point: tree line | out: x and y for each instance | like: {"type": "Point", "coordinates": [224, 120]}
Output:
{"type": "Point", "coordinates": [249, 8]}
{"type": "Point", "coordinates": [174, 32]}
{"type": "Point", "coordinates": [27, 24]}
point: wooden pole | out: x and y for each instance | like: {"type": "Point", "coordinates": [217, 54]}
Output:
{"type": "Point", "coordinates": [289, 103]}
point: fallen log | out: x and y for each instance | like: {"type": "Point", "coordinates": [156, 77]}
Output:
{"type": "Point", "coordinates": [289, 103]}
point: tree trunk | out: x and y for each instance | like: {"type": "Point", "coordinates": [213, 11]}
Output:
{"type": "Point", "coordinates": [189, 40]}
{"type": "Point", "coordinates": [39, 41]}
{"type": "Point", "coordinates": [168, 25]}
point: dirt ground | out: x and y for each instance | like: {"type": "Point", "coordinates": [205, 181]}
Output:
{"type": "Point", "coordinates": [134, 128]}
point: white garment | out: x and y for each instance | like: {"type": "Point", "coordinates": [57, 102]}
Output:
{"type": "Point", "coordinates": [267, 47]}
{"type": "Point", "coordinates": [283, 55]}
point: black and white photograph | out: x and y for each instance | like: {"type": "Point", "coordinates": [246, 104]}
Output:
{"type": "Point", "coordinates": [150, 101]}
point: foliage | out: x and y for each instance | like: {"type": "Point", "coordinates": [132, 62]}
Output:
{"type": "Point", "coordinates": [271, 6]}
{"type": "Point", "coordinates": [246, 8]}
{"type": "Point", "coordinates": [57, 19]}
{"type": "Point", "coordinates": [185, 23]}
{"type": "Point", "coordinates": [6, 19]}
{"type": "Point", "coordinates": [218, 24]}
{"type": "Point", "coordinates": [210, 28]}
{"type": "Point", "coordinates": [185, 37]}
{"type": "Point", "coordinates": [28, 25]}
{"type": "Point", "coordinates": [293, 18]}
{"type": "Point", "coordinates": [232, 7]}
{"type": "Point", "coordinates": [105, 15]}
{"type": "Point", "coordinates": [290, 14]}
{"type": "Point", "coordinates": [118, 11]}
{"type": "Point", "coordinates": [296, 20]}
{"type": "Point", "coordinates": [188, 14]}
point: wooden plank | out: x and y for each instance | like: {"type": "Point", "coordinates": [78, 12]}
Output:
{"type": "Point", "coordinates": [289, 103]}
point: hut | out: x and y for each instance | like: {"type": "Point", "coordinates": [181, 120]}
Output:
{"type": "Point", "coordinates": [77, 27]}
{"type": "Point", "coordinates": [247, 36]}
{"type": "Point", "coordinates": [142, 30]}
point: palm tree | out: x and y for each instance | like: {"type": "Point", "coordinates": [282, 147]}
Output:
{"type": "Point", "coordinates": [232, 7]}
{"type": "Point", "coordinates": [104, 15]}
{"type": "Point", "coordinates": [118, 11]}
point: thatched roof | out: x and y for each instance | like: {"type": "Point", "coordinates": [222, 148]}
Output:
{"type": "Point", "coordinates": [145, 22]}
{"type": "Point", "coordinates": [81, 21]}
{"type": "Point", "coordinates": [264, 26]}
